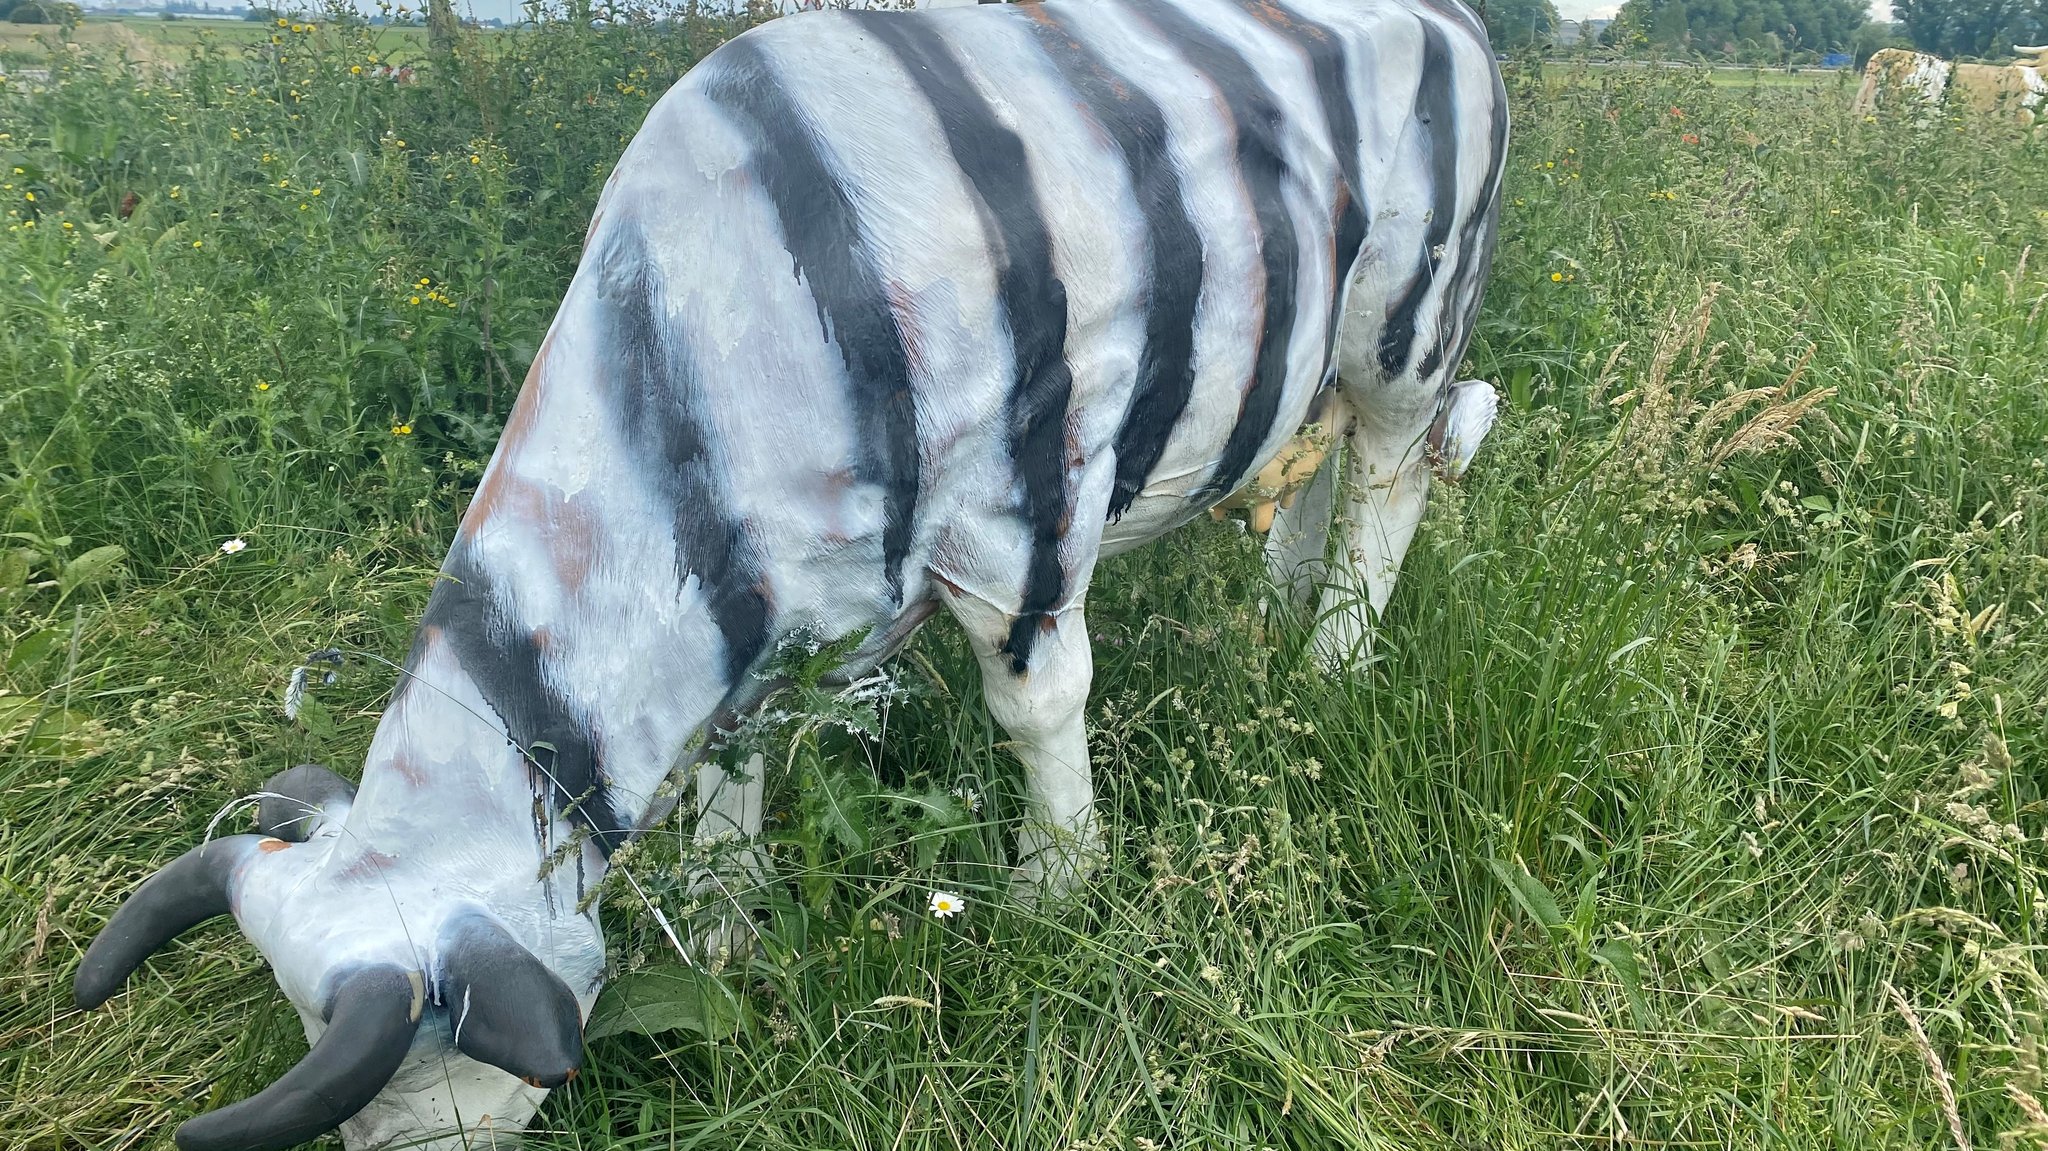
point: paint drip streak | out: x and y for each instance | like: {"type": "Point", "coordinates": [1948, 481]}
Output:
{"type": "Point", "coordinates": [508, 664]}
{"type": "Point", "coordinates": [1174, 255]}
{"type": "Point", "coordinates": [1256, 119]}
{"type": "Point", "coordinates": [1034, 300]}
{"type": "Point", "coordinates": [652, 386]}
{"type": "Point", "coordinates": [832, 256]}
{"type": "Point", "coordinates": [1436, 111]}
{"type": "Point", "coordinates": [1332, 70]}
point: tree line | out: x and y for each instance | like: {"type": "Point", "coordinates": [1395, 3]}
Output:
{"type": "Point", "coordinates": [1774, 30]}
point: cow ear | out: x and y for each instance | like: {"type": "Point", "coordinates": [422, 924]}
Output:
{"type": "Point", "coordinates": [506, 1007]}
{"type": "Point", "coordinates": [299, 801]}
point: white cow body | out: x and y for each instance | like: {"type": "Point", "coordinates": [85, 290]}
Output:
{"type": "Point", "coordinates": [2013, 89]}
{"type": "Point", "coordinates": [882, 313]}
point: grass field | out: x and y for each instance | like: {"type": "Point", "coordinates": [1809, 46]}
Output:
{"type": "Point", "coordinates": [166, 42]}
{"type": "Point", "coordinates": [1695, 796]}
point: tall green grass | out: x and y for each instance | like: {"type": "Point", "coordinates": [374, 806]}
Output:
{"type": "Point", "coordinates": [1693, 796]}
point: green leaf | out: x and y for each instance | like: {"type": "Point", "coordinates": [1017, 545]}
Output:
{"type": "Point", "coordinates": [835, 804]}
{"type": "Point", "coordinates": [94, 567]}
{"type": "Point", "coordinates": [36, 647]}
{"type": "Point", "coordinates": [47, 731]}
{"type": "Point", "coordinates": [1529, 894]}
{"type": "Point", "coordinates": [1620, 958]}
{"type": "Point", "coordinates": [316, 719]}
{"type": "Point", "coordinates": [14, 567]}
{"type": "Point", "coordinates": [663, 999]}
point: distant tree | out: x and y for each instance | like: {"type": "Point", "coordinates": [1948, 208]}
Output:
{"type": "Point", "coordinates": [1746, 27]}
{"type": "Point", "coordinates": [1671, 27]}
{"type": "Point", "coordinates": [1513, 24]}
{"type": "Point", "coordinates": [1972, 27]}
{"type": "Point", "coordinates": [1871, 39]}
{"type": "Point", "coordinates": [27, 12]}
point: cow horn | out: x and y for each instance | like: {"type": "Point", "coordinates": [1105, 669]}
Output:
{"type": "Point", "coordinates": [190, 890]}
{"type": "Point", "coordinates": [296, 801]}
{"type": "Point", "coordinates": [370, 1023]}
{"type": "Point", "coordinates": [507, 1008]}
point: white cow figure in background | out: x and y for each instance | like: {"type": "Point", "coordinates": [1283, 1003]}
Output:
{"type": "Point", "coordinates": [880, 313]}
{"type": "Point", "coordinates": [2014, 89]}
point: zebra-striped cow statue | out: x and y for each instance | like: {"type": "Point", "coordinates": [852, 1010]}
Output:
{"type": "Point", "coordinates": [879, 313]}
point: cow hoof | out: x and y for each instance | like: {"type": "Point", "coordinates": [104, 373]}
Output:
{"type": "Point", "coordinates": [1343, 642]}
{"type": "Point", "coordinates": [723, 940]}
{"type": "Point", "coordinates": [1056, 870]}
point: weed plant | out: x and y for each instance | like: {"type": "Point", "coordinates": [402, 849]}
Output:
{"type": "Point", "coordinates": [1694, 794]}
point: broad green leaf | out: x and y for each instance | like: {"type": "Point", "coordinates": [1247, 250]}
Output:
{"type": "Point", "coordinates": [1620, 958]}
{"type": "Point", "coordinates": [663, 999]}
{"type": "Point", "coordinates": [94, 567]}
{"type": "Point", "coordinates": [316, 719]}
{"type": "Point", "coordinates": [1529, 894]}
{"type": "Point", "coordinates": [14, 567]}
{"type": "Point", "coordinates": [836, 803]}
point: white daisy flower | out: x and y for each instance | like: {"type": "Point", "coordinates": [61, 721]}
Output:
{"type": "Point", "coordinates": [233, 546]}
{"type": "Point", "coordinates": [946, 904]}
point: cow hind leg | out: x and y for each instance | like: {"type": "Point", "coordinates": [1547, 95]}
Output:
{"type": "Point", "coordinates": [731, 864]}
{"type": "Point", "coordinates": [1297, 549]}
{"type": "Point", "coordinates": [1041, 708]}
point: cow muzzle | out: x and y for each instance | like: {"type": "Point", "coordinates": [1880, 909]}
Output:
{"type": "Point", "coordinates": [437, 1021]}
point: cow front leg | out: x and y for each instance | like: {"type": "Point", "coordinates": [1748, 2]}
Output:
{"type": "Point", "coordinates": [728, 843]}
{"type": "Point", "coordinates": [1039, 701]}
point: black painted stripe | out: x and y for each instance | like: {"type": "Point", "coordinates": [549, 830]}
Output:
{"type": "Point", "coordinates": [1033, 298]}
{"type": "Point", "coordinates": [1462, 15]}
{"type": "Point", "coordinates": [1436, 112]}
{"type": "Point", "coordinates": [508, 664]}
{"type": "Point", "coordinates": [1173, 275]}
{"type": "Point", "coordinates": [1481, 231]}
{"type": "Point", "coordinates": [834, 258]}
{"type": "Point", "coordinates": [1262, 165]}
{"type": "Point", "coordinates": [1331, 66]}
{"type": "Point", "coordinates": [652, 385]}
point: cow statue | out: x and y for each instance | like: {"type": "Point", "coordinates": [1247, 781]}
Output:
{"type": "Point", "coordinates": [880, 312]}
{"type": "Point", "coordinates": [2018, 90]}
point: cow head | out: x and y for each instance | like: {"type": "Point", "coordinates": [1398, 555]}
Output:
{"type": "Point", "coordinates": [428, 1009]}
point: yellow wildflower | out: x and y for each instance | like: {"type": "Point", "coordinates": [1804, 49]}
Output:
{"type": "Point", "coordinates": [401, 429]}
